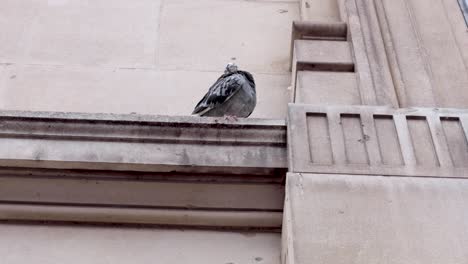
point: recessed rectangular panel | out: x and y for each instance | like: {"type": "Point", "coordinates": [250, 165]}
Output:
{"type": "Point", "coordinates": [320, 55]}
{"type": "Point", "coordinates": [422, 141]}
{"type": "Point", "coordinates": [327, 88]}
{"type": "Point", "coordinates": [355, 140]}
{"type": "Point", "coordinates": [378, 140]}
{"type": "Point", "coordinates": [389, 144]}
{"type": "Point", "coordinates": [319, 138]}
{"type": "Point", "coordinates": [457, 141]}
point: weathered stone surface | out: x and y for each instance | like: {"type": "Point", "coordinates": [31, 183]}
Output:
{"type": "Point", "coordinates": [447, 71]}
{"type": "Point", "coordinates": [320, 10]}
{"type": "Point", "coordinates": [325, 88]}
{"type": "Point", "coordinates": [323, 55]}
{"type": "Point", "coordinates": [378, 140]}
{"type": "Point", "coordinates": [210, 200]}
{"type": "Point", "coordinates": [102, 90]}
{"type": "Point", "coordinates": [266, 220]}
{"type": "Point", "coordinates": [137, 190]}
{"type": "Point", "coordinates": [361, 59]}
{"type": "Point", "coordinates": [141, 143]}
{"type": "Point", "coordinates": [136, 169]}
{"type": "Point", "coordinates": [372, 219]}
{"type": "Point", "coordinates": [306, 29]}
{"type": "Point", "coordinates": [373, 23]}
{"type": "Point", "coordinates": [317, 55]}
{"type": "Point", "coordinates": [71, 32]}
{"type": "Point", "coordinates": [72, 244]}
{"type": "Point", "coordinates": [431, 53]}
{"type": "Point", "coordinates": [121, 57]}
{"type": "Point", "coordinates": [206, 34]}
{"type": "Point", "coordinates": [458, 25]}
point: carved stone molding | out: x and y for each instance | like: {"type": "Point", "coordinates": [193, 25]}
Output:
{"type": "Point", "coordinates": [378, 140]}
{"type": "Point", "coordinates": [141, 143]}
{"type": "Point", "coordinates": [208, 200]}
{"type": "Point", "coordinates": [133, 169]}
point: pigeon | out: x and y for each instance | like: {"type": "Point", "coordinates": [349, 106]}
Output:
{"type": "Point", "coordinates": [232, 95]}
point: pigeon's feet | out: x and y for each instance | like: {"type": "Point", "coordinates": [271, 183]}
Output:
{"type": "Point", "coordinates": [230, 118]}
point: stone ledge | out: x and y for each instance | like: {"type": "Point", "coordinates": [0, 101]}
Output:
{"type": "Point", "coordinates": [142, 143]}
{"type": "Point", "coordinates": [141, 169]}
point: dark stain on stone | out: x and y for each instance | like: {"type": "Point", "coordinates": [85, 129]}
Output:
{"type": "Point", "coordinates": [185, 159]}
{"type": "Point", "coordinates": [258, 259]}
{"type": "Point", "coordinates": [91, 156]}
{"type": "Point", "coordinates": [38, 154]}
{"type": "Point", "coordinates": [364, 138]}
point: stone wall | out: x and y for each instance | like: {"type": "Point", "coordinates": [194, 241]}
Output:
{"type": "Point", "coordinates": [378, 150]}
{"type": "Point", "coordinates": [406, 53]}
{"type": "Point", "coordinates": [74, 244]}
{"type": "Point", "coordinates": [148, 57]}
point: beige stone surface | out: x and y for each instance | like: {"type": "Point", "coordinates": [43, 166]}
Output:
{"type": "Point", "coordinates": [442, 53]}
{"type": "Point", "coordinates": [3, 80]}
{"type": "Point", "coordinates": [172, 199]}
{"type": "Point", "coordinates": [336, 54]}
{"type": "Point", "coordinates": [374, 31]}
{"type": "Point", "coordinates": [151, 57]}
{"type": "Point", "coordinates": [378, 140]}
{"type": "Point", "coordinates": [220, 219]}
{"type": "Point", "coordinates": [205, 34]}
{"type": "Point", "coordinates": [72, 244]}
{"type": "Point", "coordinates": [320, 10]}
{"type": "Point", "coordinates": [91, 89]}
{"type": "Point", "coordinates": [458, 27]}
{"type": "Point", "coordinates": [142, 193]}
{"type": "Point", "coordinates": [142, 143]}
{"type": "Point", "coordinates": [102, 32]}
{"type": "Point", "coordinates": [373, 219]}
{"type": "Point", "coordinates": [430, 44]}
{"type": "Point", "coordinates": [336, 88]}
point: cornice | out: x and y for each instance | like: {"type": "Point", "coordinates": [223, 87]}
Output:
{"type": "Point", "coordinates": [142, 169]}
{"type": "Point", "coordinates": [141, 142]}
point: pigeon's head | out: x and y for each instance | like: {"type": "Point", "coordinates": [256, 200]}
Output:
{"type": "Point", "coordinates": [230, 68]}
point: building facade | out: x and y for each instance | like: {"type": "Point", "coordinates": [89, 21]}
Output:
{"type": "Point", "coordinates": [356, 153]}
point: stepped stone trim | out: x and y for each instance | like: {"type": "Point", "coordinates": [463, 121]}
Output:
{"type": "Point", "coordinates": [142, 143]}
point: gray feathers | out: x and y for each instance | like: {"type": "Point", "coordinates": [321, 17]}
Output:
{"type": "Point", "coordinates": [233, 94]}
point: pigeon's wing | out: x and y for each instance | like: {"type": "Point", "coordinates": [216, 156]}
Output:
{"type": "Point", "coordinates": [219, 92]}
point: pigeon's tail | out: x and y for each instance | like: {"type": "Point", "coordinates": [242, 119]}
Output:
{"type": "Point", "coordinates": [201, 113]}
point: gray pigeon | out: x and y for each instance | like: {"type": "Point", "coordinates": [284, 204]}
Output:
{"type": "Point", "coordinates": [232, 95]}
